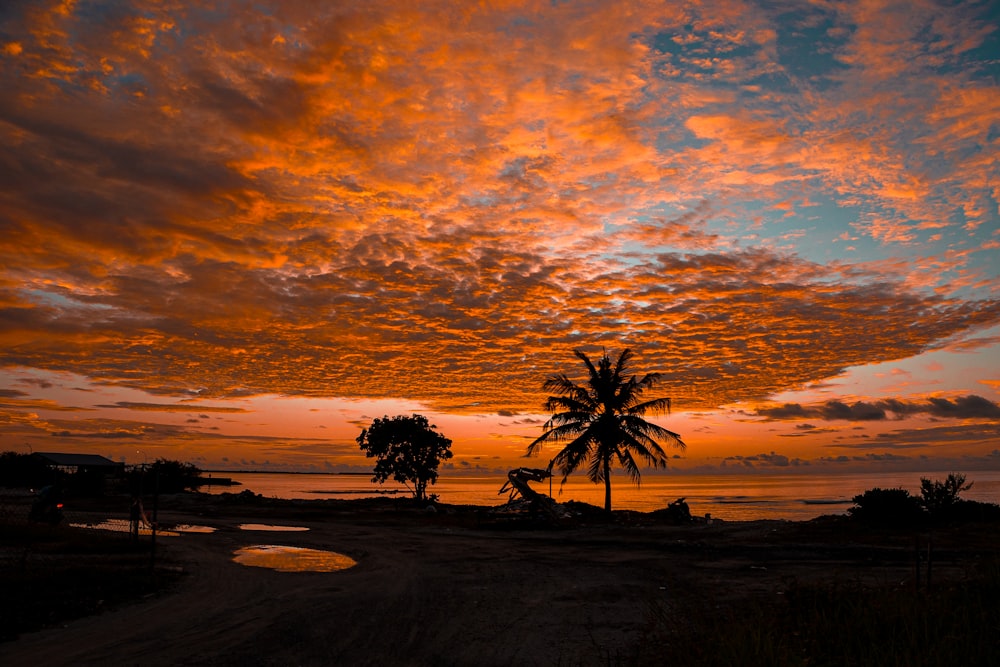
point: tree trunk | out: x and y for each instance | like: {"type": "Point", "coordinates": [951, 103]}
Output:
{"type": "Point", "coordinates": [607, 485]}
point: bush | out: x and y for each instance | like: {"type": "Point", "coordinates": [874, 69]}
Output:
{"type": "Point", "coordinates": [886, 507]}
{"type": "Point", "coordinates": [86, 483]}
{"type": "Point", "coordinates": [938, 496]}
{"type": "Point", "coordinates": [838, 623]}
{"type": "Point", "coordinates": [968, 511]}
{"type": "Point", "coordinates": [25, 470]}
{"type": "Point", "coordinates": [164, 476]}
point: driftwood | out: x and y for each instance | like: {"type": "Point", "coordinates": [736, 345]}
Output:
{"type": "Point", "coordinates": [678, 511]}
{"type": "Point", "coordinates": [517, 485]}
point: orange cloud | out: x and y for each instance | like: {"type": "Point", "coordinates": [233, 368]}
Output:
{"type": "Point", "coordinates": [439, 205]}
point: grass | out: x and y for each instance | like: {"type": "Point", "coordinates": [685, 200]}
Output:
{"type": "Point", "coordinates": [955, 623]}
{"type": "Point", "coordinates": [51, 575]}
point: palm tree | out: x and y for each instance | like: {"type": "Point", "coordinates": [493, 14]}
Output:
{"type": "Point", "coordinates": [603, 420]}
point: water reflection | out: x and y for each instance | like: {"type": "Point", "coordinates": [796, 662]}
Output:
{"type": "Point", "coordinates": [292, 559]}
{"type": "Point", "coordinates": [271, 528]}
{"type": "Point", "coordinates": [192, 528]}
{"type": "Point", "coordinates": [122, 526]}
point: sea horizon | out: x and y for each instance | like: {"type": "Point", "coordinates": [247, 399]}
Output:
{"type": "Point", "coordinates": [726, 496]}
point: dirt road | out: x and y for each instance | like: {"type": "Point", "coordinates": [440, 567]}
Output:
{"type": "Point", "coordinates": [431, 592]}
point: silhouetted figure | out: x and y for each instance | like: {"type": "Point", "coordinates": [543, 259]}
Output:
{"type": "Point", "coordinates": [134, 516]}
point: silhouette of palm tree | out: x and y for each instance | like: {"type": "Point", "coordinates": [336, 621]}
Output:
{"type": "Point", "coordinates": [603, 420]}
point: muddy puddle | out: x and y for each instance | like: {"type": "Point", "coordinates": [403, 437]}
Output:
{"type": "Point", "coordinates": [166, 530]}
{"type": "Point", "coordinates": [266, 527]}
{"type": "Point", "coordinates": [292, 559]}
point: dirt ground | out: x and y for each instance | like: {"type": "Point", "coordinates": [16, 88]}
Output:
{"type": "Point", "coordinates": [454, 587]}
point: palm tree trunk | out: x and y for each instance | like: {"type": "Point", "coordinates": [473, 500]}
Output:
{"type": "Point", "coordinates": [607, 485]}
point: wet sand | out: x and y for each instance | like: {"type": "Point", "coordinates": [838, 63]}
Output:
{"type": "Point", "coordinates": [454, 587]}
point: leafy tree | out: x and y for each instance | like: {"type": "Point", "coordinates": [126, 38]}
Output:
{"type": "Point", "coordinates": [408, 449]}
{"type": "Point", "coordinates": [938, 496]}
{"type": "Point", "coordinates": [25, 470]}
{"type": "Point", "coordinates": [602, 420]}
{"type": "Point", "coordinates": [165, 476]}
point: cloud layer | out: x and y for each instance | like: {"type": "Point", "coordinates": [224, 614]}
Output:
{"type": "Point", "coordinates": [439, 203]}
{"type": "Point", "coordinates": [963, 407]}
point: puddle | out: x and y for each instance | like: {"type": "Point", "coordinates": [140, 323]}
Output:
{"type": "Point", "coordinates": [292, 559]}
{"type": "Point", "coordinates": [273, 529]}
{"type": "Point", "coordinates": [192, 528]}
{"type": "Point", "coordinates": [122, 526]}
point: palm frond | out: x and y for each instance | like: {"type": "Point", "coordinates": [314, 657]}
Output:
{"type": "Point", "coordinates": [648, 449]}
{"type": "Point", "coordinates": [654, 432]}
{"type": "Point", "coordinates": [628, 464]}
{"type": "Point", "coordinates": [595, 471]}
{"type": "Point", "coordinates": [560, 384]}
{"type": "Point", "coordinates": [587, 362]}
{"type": "Point", "coordinates": [654, 406]}
{"type": "Point", "coordinates": [553, 434]}
{"type": "Point", "coordinates": [566, 404]}
{"type": "Point", "coordinates": [573, 454]}
{"type": "Point", "coordinates": [649, 380]}
{"type": "Point", "coordinates": [622, 364]}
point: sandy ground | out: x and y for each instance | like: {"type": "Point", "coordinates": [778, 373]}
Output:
{"type": "Point", "coordinates": [443, 589]}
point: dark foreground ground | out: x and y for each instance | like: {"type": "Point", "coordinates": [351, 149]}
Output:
{"type": "Point", "coordinates": [463, 587]}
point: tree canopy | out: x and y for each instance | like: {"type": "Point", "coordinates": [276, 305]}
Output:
{"type": "Point", "coordinates": [18, 469]}
{"type": "Point", "coordinates": [408, 449]}
{"type": "Point", "coordinates": [602, 420]}
{"type": "Point", "coordinates": [938, 496]}
{"type": "Point", "coordinates": [165, 476]}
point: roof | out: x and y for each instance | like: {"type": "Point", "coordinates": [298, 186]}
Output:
{"type": "Point", "coordinates": [77, 460]}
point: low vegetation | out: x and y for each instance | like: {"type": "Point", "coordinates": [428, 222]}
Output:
{"type": "Point", "coordinates": [52, 574]}
{"type": "Point", "coordinates": [939, 503]}
{"type": "Point", "coordinates": [845, 623]}
{"type": "Point", "coordinates": [904, 619]}
{"type": "Point", "coordinates": [937, 497]}
{"type": "Point", "coordinates": [886, 507]}
{"type": "Point", "coordinates": [24, 470]}
{"type": "Point", "coordinates": [164, 476]}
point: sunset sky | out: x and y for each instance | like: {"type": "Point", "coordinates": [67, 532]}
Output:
{"type": "Point", "coordinates": [233, 233]}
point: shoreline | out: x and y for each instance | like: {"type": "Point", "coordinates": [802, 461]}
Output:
{"type": "Point", "coordinates": [776, 496]}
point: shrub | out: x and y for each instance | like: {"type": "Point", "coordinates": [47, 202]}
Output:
{"type": "Point", "coordinates": [886, 507]}
{"type": "Point", "coordinates": [164, 476]}
{"type": "Point", "coordinates": [938, 496]}
{"type": "Point", "coordinates": [968, 511]}
{"type": "Point", "coordinates": [25, 470]}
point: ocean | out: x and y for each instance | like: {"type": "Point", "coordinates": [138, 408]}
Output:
{"type": "Point", "coordinates": [729, 497]}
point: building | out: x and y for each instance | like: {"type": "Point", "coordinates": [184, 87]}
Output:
{"type": "Point", "coordinates": [80, 463]}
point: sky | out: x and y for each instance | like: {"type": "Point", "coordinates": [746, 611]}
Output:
{"type": "Point", "coordinates": [234, 233]}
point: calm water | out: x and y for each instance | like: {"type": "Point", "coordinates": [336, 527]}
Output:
{"type": "Point", "coordinates": [731, 497]}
